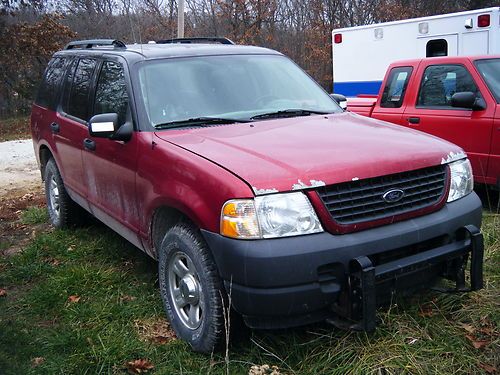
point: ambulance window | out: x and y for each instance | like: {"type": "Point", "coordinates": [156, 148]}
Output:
{"type": "Point", "coordinates": [395, 87]}
{"type": "Point", "coordinates": [437, 47]}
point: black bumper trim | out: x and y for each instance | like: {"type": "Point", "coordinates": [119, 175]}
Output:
{"type": "Point", "coordinates": [362, 304]}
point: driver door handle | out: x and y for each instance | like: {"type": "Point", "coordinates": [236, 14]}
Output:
{"type": "Point", "coordinates": [54, 127]}
{"type": "Point", "coordinates": [413, 120]}
{"type": "Point", "coordinates": [89, 144]}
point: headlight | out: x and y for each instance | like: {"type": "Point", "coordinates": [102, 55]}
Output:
{"type": "Point", "coordinates": [269, 216]}
{"type": "Point", "coordinates": [461, 180]}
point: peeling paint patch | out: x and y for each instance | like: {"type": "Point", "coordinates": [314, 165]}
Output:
{"type": "Point", "coordinates": [258, 191]}
{"type": "Point", "coordinates": [312, 183]}
{"type": "Point", "coordinates": [355, 178]}
{"type": "Point", "coordinates": [453, 156]}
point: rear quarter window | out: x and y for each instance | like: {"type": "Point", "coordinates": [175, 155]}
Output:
{"type": "Point", "coordinates": [49, 90]}
{"type": "Point", "coordinates": [395, 87]}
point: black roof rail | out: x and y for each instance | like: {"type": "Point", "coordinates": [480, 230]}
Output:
{"type": "Point", "coordinates": [196, 40]}
{"type": "Point", "coordinates": [91, 43]}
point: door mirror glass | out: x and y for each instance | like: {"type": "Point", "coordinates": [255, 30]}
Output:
{"type": "Point", "coordinates": [467, 99]}
{"type": "Point", "coordinates": [103, 125]}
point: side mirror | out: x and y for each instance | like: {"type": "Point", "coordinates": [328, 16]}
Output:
{"type": "Point", "coordinates": [106, 126]}
{"type": "Point", "coordinates": [340, 99]}
{"type": "Point", "coordinates": [467, 99]}
{"type": "Point", "coordinates": [103, 125]}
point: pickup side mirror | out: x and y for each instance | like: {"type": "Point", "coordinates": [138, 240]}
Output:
{"type": "Point", "coordinates": [106, 125]}
{"type": "Point", "coordinates": [467, 99]}
{"type": "Point", "coordinates": [340, 99]}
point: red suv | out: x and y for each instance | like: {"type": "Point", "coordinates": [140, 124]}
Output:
{"type": "Point", "coordinates": [244, 178]}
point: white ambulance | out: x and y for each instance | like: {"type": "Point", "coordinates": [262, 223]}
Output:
{"type": "Point", "coordinates": [362, 54]}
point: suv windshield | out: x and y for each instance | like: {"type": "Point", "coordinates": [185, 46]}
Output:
{"type": "Point", "coordinates": [231, 87]}
{"type": "Point", "coordinates": [490, 70]}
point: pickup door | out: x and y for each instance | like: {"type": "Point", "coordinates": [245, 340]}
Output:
{"type": "Point", "coordinates": [428, 88]}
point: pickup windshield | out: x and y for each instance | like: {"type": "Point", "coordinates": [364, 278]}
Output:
{"type": "Point", "coordinates": [239, 87]}
{"type": "Point", "coordinates": [490, 70]}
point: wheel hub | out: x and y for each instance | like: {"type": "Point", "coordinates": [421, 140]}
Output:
{"type": "Point", "coordinates": [189, 289]}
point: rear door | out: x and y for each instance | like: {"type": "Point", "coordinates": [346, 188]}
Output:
{"type": "Point", "coordinates": [390, 101]}
{"type": "Point", "coordinates": [110, 166]}
{"type": "Point", "coordinates": [71, 125]}
{"type": "Point", "coordinates": [431, 110]}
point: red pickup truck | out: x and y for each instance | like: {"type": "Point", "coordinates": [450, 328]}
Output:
{"type": "Point", "coordinates": [455, 98]}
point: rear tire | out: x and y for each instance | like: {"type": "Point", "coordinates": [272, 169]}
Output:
{"type": "Point", "coordinates": [191, 289]}
{"type": "Point", "coordinates": [63, 211]}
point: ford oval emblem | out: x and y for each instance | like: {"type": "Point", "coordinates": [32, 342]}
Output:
{"type": "Point", "coordinates": [393, 195]}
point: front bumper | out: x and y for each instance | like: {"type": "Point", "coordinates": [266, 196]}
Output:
{"type": "Point", "coordinates": [285, 282]}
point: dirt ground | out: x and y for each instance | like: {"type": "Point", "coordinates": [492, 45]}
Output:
{"type": "Point", "coordinates": [20, 187]}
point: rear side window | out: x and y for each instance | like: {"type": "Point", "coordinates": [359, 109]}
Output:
{"type": "Point", "coordinates": [395, 88]}
{"type": "Point", "coordinates": [78, 102]}
{"type": "Point", "coordinates": [48, 93]}
{"type": "Point", "coordinates": [111, 92]}
{"type": "Point", "coordinates": [440, 82]}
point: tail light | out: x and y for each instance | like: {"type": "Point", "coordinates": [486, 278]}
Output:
{"type": "Point", "coordinates": [337, 38]}
{"type": "Point", "coordinates": [483, 20]}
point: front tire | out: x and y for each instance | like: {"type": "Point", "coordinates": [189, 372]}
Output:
{"type": "Point", "coordinates": [191, 289]}
{"type": "Point", "coordinates": [63, 211]}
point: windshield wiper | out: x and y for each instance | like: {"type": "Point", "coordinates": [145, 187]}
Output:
{"type": "Point", "coordinates": [198, 121]}
{"type": "Point", "coordinates": [289, 113]}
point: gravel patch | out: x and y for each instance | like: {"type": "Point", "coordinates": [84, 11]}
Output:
{"type": "Point", "coordinates": [18, 167]}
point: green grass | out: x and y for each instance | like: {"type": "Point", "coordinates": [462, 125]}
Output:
{"type": "Point", "coordinates": [34, 215]}
{"type": "Point", "coordinates": [14, 128]}
{"type": "Point", "coordinates": [118, 291]}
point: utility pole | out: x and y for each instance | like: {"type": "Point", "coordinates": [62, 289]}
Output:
{"type": "Point", "coordinates": [180, 19]}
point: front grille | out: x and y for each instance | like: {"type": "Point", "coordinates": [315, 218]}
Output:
{"type": "Point", "coordinates": [360, 201]}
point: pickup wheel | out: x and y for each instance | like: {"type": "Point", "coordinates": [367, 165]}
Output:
{"type": "Point", "coordinates": [63, 211]}
{"type": "Point", "coordinates": [191, 288]}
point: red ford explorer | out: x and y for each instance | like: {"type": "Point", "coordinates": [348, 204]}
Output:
{"type": "Point", "coordinates": [249, 184]}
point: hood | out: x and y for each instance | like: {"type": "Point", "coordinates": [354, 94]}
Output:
{"type": "Point", "coordinates": [303, 152]}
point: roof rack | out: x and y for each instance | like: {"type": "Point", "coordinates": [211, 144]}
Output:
{"type": "Point", "coordinates": [196, 40]}
{"type": "Point", "coordinates": [91, 43]}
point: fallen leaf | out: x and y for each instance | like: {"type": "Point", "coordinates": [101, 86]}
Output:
{"type": "Point", "coordinates": [478, 344]}
{"type": "Point", "coordinates": [139, 366]}
{"type": "Point", "coordinates": [37, 361]}
{"type": "Point", "coordinates": [127, 298]}
{"type": "Point", "coordinates": [488, 368]}
{"type": "Point", "coordinates": [264, 370]}
{"type": "Point", "coordinates": [160, 339]}
{"type": "Point", "coordinates": [3, 292]}
{"type": "Point", "coordinates": [426, 311]}
{"type": "Point", "coordinates": [52, 261]}
{"type": "Point", "coordinates": [468, 327]}
{"type": "Point", "coordinates": [156, 330]}
{"type": "Point", "coordinates": [27, 197]}
{"type": "Point", "coordinates": [74, 299]}
{"type": "Point", "coordinates": [486, 330]}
